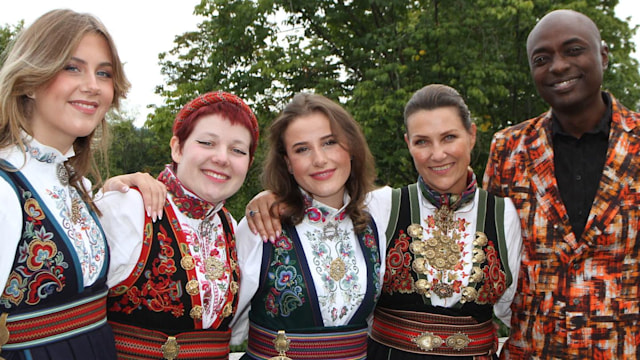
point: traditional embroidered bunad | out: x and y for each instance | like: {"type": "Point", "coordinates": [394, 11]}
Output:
{"type": "Point", "coordinates": [450, 261]}
{"type": "Point", "coordinates": [53, 262]}
{"type": "Point", "coordinates": [578, 298]}
{"type": "Point", "coordinates": [319, 283]}
{"type": "Point", "coordinates": [174, 291]}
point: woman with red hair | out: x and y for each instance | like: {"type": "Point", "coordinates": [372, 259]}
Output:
{"type": "Point", "coordinates": [174, 283]}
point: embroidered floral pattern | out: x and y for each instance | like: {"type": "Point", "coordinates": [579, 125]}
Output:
{"type": "Point", "coordinates": [397, 277]}
{"type": "Point", "coordinates": [495, 283]}
{"type": "Point", "coordinates": [41, 155]}
{"type": "Point", "coordinates": [210, 245]}
{"type": "Point", "coordinates": [86, 236]}
{"type": "Point", "coordinates": [287, 286]}
{"type": "Point", "coordinates": [189, 205]}
{"type": "Point", "coordinates": [324, 253]}
{"type": "Point", "coordinates": [331, 255]}
{"type": "Point", "coordinates": [482, 268]}
{"type": "Point", "coordinates": [40, 265]}
{"type": "Point", "coordinates": [159, 293]}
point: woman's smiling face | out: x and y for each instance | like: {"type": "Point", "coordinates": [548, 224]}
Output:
{"type": "Point", "coordinates": [441, 148]}
{"type": "Point", "coordinates": [318, 162]}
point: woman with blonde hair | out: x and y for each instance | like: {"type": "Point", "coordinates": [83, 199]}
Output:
{"type": "Point", "coordinates": [59, 78]}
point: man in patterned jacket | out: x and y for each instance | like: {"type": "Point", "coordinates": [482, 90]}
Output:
{"type": "Point", "coordinates": [574, 176]}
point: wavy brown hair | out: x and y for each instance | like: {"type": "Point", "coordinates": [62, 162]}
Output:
{"type": "Point", "coordinates": [276, 176]}
{"type": "Point", "coordinates": [31, 61]}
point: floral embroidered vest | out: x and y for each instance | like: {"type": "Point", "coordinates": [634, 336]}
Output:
{"type": "Point", "coordinates": [162, 293]}
{"type": "Point", "coordinates": [286, 296]}
{"type": "Point", "coordinates": [46, 270]}
{"type": "Point", "coordinates": [399, 288]}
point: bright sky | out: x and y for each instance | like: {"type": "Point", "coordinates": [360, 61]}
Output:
{"type": "Point", "coordinates": [141, 29]}
{"type": "Point", "coordinates": [144, 28]}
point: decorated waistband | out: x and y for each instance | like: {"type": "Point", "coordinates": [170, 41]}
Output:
{"type": "Point", "coordinates": [433, 334]}
{"type": "Point", "coordinates": [345, 345]}
{"type": "Point", "coordinates": [42, 327]}
{"type": "Point", "coordinates": [134, 342]}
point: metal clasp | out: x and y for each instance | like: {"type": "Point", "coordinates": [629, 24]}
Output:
{"type": "Point", "coordinates": [281, 344]}
{"type": "Point", "coordinates": [170, 348]}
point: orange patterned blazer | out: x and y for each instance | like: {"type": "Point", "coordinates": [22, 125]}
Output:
{"type": "Point", "coordinates": [577, 298]}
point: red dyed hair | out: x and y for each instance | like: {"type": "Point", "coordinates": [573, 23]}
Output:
{"type": "Point", "coordinates": [224, 104]}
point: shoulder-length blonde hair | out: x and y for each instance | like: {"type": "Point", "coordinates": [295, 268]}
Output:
{"type": "Point", "coordinates": [276, 176]}
{"type": "Point", "coordinates": [33, 59]}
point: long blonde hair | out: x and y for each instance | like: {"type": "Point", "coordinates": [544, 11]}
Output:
{"type": "Point", "coordinates": [33, 59]}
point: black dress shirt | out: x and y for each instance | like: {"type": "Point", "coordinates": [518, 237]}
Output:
{"type": "Point", "coordinates": [578, 166]}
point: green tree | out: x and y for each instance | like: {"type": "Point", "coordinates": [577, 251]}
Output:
{"type": "Point", "coordinates": [131, 148]}
{"type": "Point", "coordinates": [371, 56]}
{"type": "Point", "coordinates": [7, 33]}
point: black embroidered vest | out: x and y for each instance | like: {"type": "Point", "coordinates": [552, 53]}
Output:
{"type": "Point", "coordinates": [398, 291]}
{"type": "Point", "coordinates": [286, 297]}
{"type": "Point", "coordinates": [46, 270]}
{"type": "Point", "coordinates": [156, 295]}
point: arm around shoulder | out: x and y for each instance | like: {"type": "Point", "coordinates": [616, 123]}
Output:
{"type": "Point", "coordinates": [249, 247]}
{"type": "Point", "coordinates": [123, 220]}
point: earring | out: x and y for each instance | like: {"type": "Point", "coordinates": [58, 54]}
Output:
{"type": "Point", "coordinates": [31, 95]}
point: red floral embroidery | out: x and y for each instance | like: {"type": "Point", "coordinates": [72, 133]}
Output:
{"type": "Point", "coordinates": [495, 280]}
{"type": "Point", "coordinates": [39, 253]}
{"type": "Point", "coordinates": [42, 285]}
{"type": "Point", "coordinates": [462, 225]}
{"type": "Point", "coordinates": [160, 293]}
{"type": "Point", "coordinates": [284, 243]}
{"type": "Point", "coordinates": [397, 276]}
{"type": "Point", "coordinates": [32, 210]}
{"type": "Point", "coordinates": [40, 268]}
{"type": "Point", "coordinates": [369, 240]}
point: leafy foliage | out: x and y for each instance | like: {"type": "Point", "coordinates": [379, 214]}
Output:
{"type": "Point", "coordinates": [134, 149]}
{"type": "Point", "coordinates": [371, 56]}
{"type": "Point", "coordinates": [7, 33]}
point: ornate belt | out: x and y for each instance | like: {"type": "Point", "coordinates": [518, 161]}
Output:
{"type": "Point", "coordinates": [433, 334]}
{"type": "Point", "coordinates": [41, 327]}
{"type": "Point", "coordinates": [133, 342]}
{"type": "Point", "coordinates": [345, 345]}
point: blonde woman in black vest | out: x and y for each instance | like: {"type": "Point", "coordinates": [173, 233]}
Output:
{"type": "Point", "coordinates": [60, 77]}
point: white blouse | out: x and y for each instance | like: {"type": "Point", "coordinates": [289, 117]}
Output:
{"type": "Point", "coordinates": [323, 241]}
{"type": "Point", "coordinates": [123, 217]}
{"type": "Point", "coordinates": [381, 200]}
{"type": "Point", "coordinates": [39, 166]}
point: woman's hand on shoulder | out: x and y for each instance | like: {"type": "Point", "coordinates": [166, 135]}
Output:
{"type": "Point", "coordinates": [154, 193]}
{"type": "Point", "coordinates": [259, 218]}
